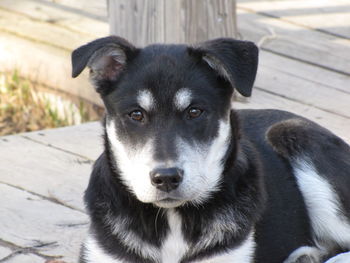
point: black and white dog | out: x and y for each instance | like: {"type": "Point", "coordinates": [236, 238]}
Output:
{"type": "Point", "coordinates": [184, 178]}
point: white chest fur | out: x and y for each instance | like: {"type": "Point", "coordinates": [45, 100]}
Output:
{"type": "Point", "coordinates": [174, 246]}
{"type": "Point", "coordinates": [173, 249]}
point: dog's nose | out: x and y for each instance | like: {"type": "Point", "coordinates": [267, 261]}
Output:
{"type": "Point", "coordinates": [166, 179]}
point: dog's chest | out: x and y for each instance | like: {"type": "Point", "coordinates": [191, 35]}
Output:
{"type": "Point", "coordinates": [174, 246]}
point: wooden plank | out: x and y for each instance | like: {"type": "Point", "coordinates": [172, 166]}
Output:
{"type": "Point", "coordinates": [330, 16]}
{"type": "Point", "coordinates": [337, 23]}
{"type": "Point", "coordinates": [150, 21]}
{"type": "Point", "coordinates": [95, 8]}
{"type": "Point", "coordinates": [174, 30]}
{"type": "Point", "coordinates": [194, 28]}
{"type": "Point", "coordinates": [277, 79]}
{"type": "Point", "coordinates": [44, 170]}
{"type": "Point", "coordinates": [85, 139]}
{"type": "Point", "coordinates": [50, 66]}
{"type": "Point", "coordinates": [305, 71]}
{"type": "Point", "coordinates": [21, 36]}
{"type": "Point", "coordinates": [4, 251]}
{"type": "Point", "coordinates": [295, 42]}
{"type": "Point", "coordinates": [146, 22]}
{"type": "Point", "coordinates": [141, 22]}
{"type": "Point", "coordinates": [221, 21]}
{"type": "Point", "coordinates": [263, 5]}
{"type": "Point", "coordinates": [263, 100]}
{"type": "Point", "coordinates": [25, 258]}
{"type": "Point", "coordinates": [157, 21]}
{"type": "Point", "coordinates": [56, 36]}
{"type": "Point", "coordinates": [48, 228]}
{"type": "Point", "coordinates": [54, 15]}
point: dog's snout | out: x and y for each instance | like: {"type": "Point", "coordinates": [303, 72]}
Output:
{"type": "Point", "coordinates": [166, 179]}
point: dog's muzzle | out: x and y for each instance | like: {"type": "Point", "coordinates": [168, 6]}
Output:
{"type": "Point", "coordinates": [166, 179]}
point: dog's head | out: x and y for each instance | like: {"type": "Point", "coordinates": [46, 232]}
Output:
{"type": "Point", "coordinates": [168, 111]}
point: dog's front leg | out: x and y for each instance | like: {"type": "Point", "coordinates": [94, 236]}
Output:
{"type": "Point", "coordinates": [91, 252]}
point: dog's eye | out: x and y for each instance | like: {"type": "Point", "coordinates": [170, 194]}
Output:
{"type": "Point", "coordinates": [136, 115]}
{"type": "Point", "coordinates": [194, 113]}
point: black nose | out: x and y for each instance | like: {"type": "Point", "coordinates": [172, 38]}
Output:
{"type": "Point", "coordinates": [166, 179]}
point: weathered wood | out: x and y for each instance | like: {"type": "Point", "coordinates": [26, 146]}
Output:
{"type": "Point", "coordinates": [30, 27]}
{"type": "Point", "coordinates": [222, 13]}
{"type": "Point", "coordinates": [54, 16]}
{"type": "Point", "coordinates": [138, 21]}
{"type": "Point", "coordinates": [41, 32]}
{"type": "Point", "coordinates": [49, 66]}
{"type": "Point", "coordinates": [330, 16]}
{"type": "Point", "coordinates": [89, 8]}
{"type": "Point", "coordinates": [295, 42]}
{"type": "Point", "coordinates": [160, 21]}
{"type": "Point", "coordinates": [44, 170]}
{"type": "Point", "coordinates": [277, 79]}
{"type": "Point", "coordinates": [264, 100]}
{"type": "Point", "coordinates": [27, 258]}
{"type": "Point", "coordinates": [40, 225]}
{"type": "Point", "coordinates": [4, 252]}
{"type": "Point", "coordinates": [305, 71]}
{"type": "Point", "coordinates": [85, 139]}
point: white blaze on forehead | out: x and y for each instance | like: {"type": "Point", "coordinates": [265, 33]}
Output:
{"type": "Point", "coordinates": [182, 98]}
{"type": "Point", "coordinates": [145, 99]}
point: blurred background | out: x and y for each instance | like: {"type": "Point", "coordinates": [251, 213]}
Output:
{"type": "Point", "coordinates": [304, 68]}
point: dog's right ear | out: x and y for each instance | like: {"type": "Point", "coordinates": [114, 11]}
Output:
{"type": "Point", "coordinates": [106, 58]}
{"type": "Point", "coordinates": [234, 60]}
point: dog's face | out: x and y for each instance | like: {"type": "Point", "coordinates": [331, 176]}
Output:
{"type": "Point", "coordinates": [168, 108]}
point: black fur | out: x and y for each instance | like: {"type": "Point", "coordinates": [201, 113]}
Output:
{"type": "Point", "coordinates": [331, 156]}
{"type": "Point", "coordinates": [285, 225]}
{"type": "Point", "coordinates": [231, 53]}
{"type": "Point", "coordinates": [82, 55]}
{"type": "Point", "coordinates": [258, 185]}
{"type": "Point", "coordinates": [107, 194]}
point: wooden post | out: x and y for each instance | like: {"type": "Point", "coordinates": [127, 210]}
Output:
{"type": "Point", "coordinates": [144, 22]}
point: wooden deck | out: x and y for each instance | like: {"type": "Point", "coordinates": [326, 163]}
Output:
{"type": "Point", "coordinates": [304, 68]}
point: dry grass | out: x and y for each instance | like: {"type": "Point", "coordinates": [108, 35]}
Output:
{"type": "Point", "coordinates": [23, 108]}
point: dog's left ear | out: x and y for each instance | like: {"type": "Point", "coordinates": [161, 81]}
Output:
{"type": "Point", "coordinates": [234, 60]}
{"type": "Point", "coordinates": [106, 57]}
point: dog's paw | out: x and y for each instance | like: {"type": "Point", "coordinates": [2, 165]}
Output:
{"type": "Point", "coordinates": [305, 255]}
{"type": "Point", "coordinates": [341, 258]}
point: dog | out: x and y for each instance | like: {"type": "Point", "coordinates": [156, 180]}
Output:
{"type": "Point", "coordinates": [184, 178]}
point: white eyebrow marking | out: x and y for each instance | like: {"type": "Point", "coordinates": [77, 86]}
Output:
{"type": "Point", "coordinates": [145, 99]}
{"type": "Point", "coordinates": [182, 98]}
